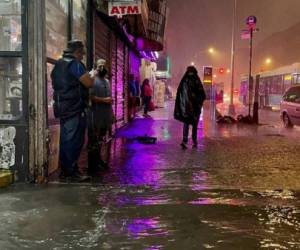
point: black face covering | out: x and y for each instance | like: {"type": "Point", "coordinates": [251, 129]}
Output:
{"type": "Point", "coordinates": [102, 72]}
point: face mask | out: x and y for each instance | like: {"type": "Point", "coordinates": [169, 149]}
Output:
{"type": "Point", "coordinates": [102, 72]}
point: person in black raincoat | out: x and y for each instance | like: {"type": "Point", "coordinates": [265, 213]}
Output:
{"type": "Point", "coordinates": [189, 100]}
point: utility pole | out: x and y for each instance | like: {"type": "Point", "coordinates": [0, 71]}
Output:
{"type": "Point", "coordinates": [255, 105]}
{"type": "Point", "coordinates": [231, 105]}
{"type": "Point", "coordinates": [251, 23]}
{"type": "Point", "coordinates": [250, 71]}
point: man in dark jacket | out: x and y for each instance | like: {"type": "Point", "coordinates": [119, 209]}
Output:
{"type": "Point", "coordinates": [189, 100]}
{"type": "Point", "coordinates": [71, 82]}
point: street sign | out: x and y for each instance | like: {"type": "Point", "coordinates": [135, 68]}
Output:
{"type": "Point", "coordinates": [207, 78]}
{"type": "Point", "coordinates": [122, 8]}
{"type": "Point", "coordinates": [251, 21]}
{"type": "Point", "coordinates": [208, 81]}
{"type": "Point", "coordinates": [245, 35]}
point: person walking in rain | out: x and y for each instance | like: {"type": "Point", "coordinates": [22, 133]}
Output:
{"type": "Point", "coordinates": [188, 105]}
{"type": "Point", "coordinates": [101, 118]}
{"type": "Point", "coordinates": [71, 82]}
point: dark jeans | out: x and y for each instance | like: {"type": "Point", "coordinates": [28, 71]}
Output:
{"type": "Point", "coordinates": [147, 100]}
{"type": "Point", "coordinates": [96, 140]}
{"type": "Point", "coordinates": [72, 132]}
{"type": "Point", "coordinates": [186, 127]}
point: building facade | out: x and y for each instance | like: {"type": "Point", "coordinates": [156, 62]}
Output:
{"type": "Point", "coordinates": [35, 33]}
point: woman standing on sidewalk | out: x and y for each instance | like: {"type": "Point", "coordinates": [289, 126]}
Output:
{"type": "Point", "coordinates": [189, 100]}
{"type": "Point", "coordinates": [147, 96]}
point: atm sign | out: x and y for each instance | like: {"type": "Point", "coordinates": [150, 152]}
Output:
{"type": "Point", "coordinates": [124, 8]}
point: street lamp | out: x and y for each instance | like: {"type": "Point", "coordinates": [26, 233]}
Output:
{"type": "Point", "coordinates": [211, 50]}
{"type": "Point", "coordinates": [231, 105]}
{"type": "Point", "coordinates": [268, 61]}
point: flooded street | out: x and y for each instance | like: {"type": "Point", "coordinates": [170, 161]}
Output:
{"type": "Point", "coordinates": [239, 189]}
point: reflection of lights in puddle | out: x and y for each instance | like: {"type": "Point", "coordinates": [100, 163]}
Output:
{"type": "Point", "coordinates": [280, 216]}
{"type": "Point", "coordinates": [154, 248]}
{"type": "Point", "coordinates": [156, 200]}
{"type": "Point", "coordinates": [267, 243]}
{"type": "Point", "coordinates": [147, 227]}
{"type": "Point", "coordinates": [283, 194]}
{"type": "Point", "coordinates": [166, 134]}
{"type": "Point", "coordinates": [139, 169]}
{"type": "Point", "coordinates": [199, 178]}
{"type": "Point", "coordinates": [219, 201]}
{"type": "Point", "coordinates": [196, 187]}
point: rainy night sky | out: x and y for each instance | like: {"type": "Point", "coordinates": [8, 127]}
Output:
{"type": "Point", "coordinates": [196, 25]}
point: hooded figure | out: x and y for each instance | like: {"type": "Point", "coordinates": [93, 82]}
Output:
{"type": "Point", "coordinates": [189, 100]}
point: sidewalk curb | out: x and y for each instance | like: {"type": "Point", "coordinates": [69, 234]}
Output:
{"type": "Point", "coordinates": [6, 178]}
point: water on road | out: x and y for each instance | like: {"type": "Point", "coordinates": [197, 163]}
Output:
{"type": "Point", "coordinates": [239, 189]}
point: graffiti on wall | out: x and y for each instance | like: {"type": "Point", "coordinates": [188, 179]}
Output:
{"type": "Point", "coordinates": [7, 147]}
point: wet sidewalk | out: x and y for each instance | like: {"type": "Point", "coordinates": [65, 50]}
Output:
{"type": "Point", "coordinates": [238, 190]}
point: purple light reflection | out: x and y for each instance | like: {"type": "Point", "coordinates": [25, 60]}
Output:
{"type": "Point", "coordinates": [200, 129]}
{"type": "Point", "coordinates": [135, 63]}
{"type": "Point", "coordinates": [199, 178]}
{"type": "Point", "coordinates": [142, 164]}
{"type": "Point", "coordinates": [200, 201]}
{"type": "Point", "coordinates": [140, 169]}
{"type": "Point", "coordinates": [146, 227]}
{"type": "Point", "coordinates": [154, 247]}
{"type": "Point", "coordinates": [153, 200]}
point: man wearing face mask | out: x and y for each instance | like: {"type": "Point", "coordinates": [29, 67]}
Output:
{"type": "Point", "coordinates": [101, 117]}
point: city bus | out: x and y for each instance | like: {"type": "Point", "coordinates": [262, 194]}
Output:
{"type": "Point", "coordinates": [272, 85]}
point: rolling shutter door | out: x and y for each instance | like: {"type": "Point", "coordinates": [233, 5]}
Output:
{"type": "Point", "coordinates": [101, 40]}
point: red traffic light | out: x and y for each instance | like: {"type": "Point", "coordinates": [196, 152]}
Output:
{"type": "Point", "coordinates": [221, 70]}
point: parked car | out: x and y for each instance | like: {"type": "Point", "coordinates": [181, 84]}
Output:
{"type": "Point", "coordinates": [290, 107]}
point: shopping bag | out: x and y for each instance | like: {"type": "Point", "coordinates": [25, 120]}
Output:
{"type": "Point", "coordinates": [151, 106]}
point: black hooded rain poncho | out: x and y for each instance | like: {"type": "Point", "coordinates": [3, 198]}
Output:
{"type": "Point", "coordinates": [189, 99]}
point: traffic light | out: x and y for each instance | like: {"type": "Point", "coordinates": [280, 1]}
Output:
{"type": "Point", "coordinates": [221, 71]}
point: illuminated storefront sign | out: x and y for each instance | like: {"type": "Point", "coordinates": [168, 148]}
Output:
{"type": "Point", "coordinates": [122, 8]}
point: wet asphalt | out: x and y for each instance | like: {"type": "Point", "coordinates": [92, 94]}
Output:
{"type": "Point", "coordinates": [239, 189]}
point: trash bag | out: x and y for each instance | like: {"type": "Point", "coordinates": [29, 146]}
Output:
{"type": "Point", "coordinates": [151, 106]}
{"type": "Point", "coordinates": [245, 119]}
{"type": "Point", "coordinates": [147, 139]}
{"type": "Point", "coordinates": [226, 120]}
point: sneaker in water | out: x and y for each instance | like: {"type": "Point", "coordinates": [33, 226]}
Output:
{"type": "Point", "coordinates": [78, 177]}
{"type": "Point", "coordinates": [95, 170]}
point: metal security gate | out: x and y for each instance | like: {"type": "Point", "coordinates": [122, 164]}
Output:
{"type": "Point", "coordinates": [120, 66]}
{"type": "Point", "coordinates": [102, 35]}
{"type": "Point", "coordinates": [120, 86]}
{"type": "Point", "coordinates": [107, 46]}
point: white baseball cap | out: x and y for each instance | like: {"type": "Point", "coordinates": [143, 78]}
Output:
{"type": "Point", "coordinates": [101, 62]}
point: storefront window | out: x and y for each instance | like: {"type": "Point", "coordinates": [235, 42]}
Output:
{"type": "Point", "coordinates": [56, 27]}
{"type": "Point", "coordinates": [80, 21]}
{"type": "Point", "coordinates": [10, 88]}
{"type": "Point", "coordinates": [10, 25]}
